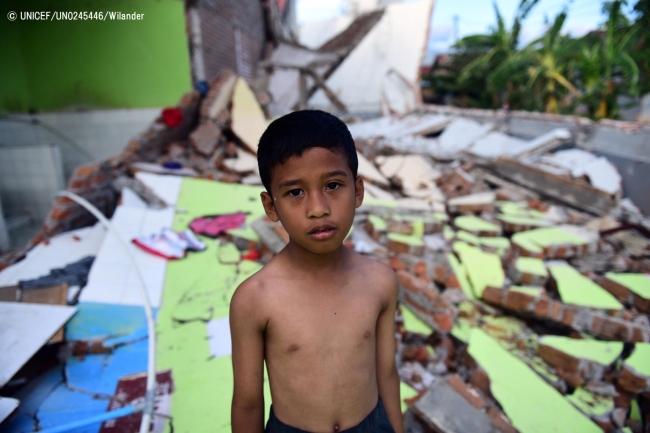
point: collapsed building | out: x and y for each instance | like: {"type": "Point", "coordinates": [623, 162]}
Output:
{"type": "Point", "coordinates": [524, 270]}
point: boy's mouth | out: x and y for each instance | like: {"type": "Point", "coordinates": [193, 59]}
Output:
{"type": "Point", "coordinates": [323, 231]}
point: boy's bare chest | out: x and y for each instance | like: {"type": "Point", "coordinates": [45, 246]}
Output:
{"type": "Point", "coordinates": [307, 324]}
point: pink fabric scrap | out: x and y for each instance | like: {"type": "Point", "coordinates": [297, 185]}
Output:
{"type": "Point", "coordinates": [216, 225]}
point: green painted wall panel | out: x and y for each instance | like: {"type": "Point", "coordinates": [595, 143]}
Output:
{"type": "Point", "coordinates": [99, 64]}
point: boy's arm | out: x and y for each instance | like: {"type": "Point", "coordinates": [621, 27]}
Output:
{"type": "Point", "coordinates": [247, 335]}
{"type": "Point", "coordinates": [387, 377]}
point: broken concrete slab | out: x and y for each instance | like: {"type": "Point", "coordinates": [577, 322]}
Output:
{"type": "Point", "coordinates": [383, 49]}
{"type": "Point", "coordinates": [7, 406]}
{"type": "Point", "coordinates": [587, 358]}
{"type": "Point", "coordinates": [581, 319]}
{"type": "Point", "coordinates": [518, 223]}
{"type": "Point", "coordinates": [498, 144]}
{"type": "Point", "coordinates": [584, 197]}
{"type": "Point", "coordinates": [497, 245]}
{"type": "Point", "coordinates": [405, 244]}
{"type": "Point", "coordinates": [601, 173]}
{"type": "Point", "coordinates": [633, 289]}
{"type": "Point", "coordinates": [422, 297]}
{"type": "Point", "coordinates": [458, 136]}
{"type": "Point", "coordinates": [472, 203]}
{"type": "Point", "coordinates": [537, 407]}
{"type": "Point", "coordinates": [376, 226]}
{"type": "Point", "coordinates": [24, 329]}
{"type": "Point", "coordinates": [635, 373]}
{"type": "Point", "coordinates": [528, 270]}
{"type": "Point", "coordinates": [597, 407]}
{"type": "Point", "coordinates": [369, 172]}
{"type": "Point", "coordinates": [243, 163]}
{"type": "Point", "coordinates": [476, 226]}
{"type": "Point", "coordinates": [205, 137]}
{"type": "Point", "coordinates": [576, 289]}
{"type": "Point", "coordinates": [166, 187]}
{"type": "Point", "coordinates": [59, 251]}
{"type": "Point", "coordinates": [413, 172]}
{"type": "Point", "coordinates": [248, 121]}
{"type": "Point", "coordinates": [556, 242]}
{"type": "Point", "coordinates": [445, 409]}
{"type": "Point", "coordinates": [483, 269]}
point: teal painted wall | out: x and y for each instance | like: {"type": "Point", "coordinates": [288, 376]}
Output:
{"type": "Point", "coordinates": [58, 65]}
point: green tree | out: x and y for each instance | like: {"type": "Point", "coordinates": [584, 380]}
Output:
{"type": "Point", "coordinates": [476, 56]}
{"type": "Point", "coordinates": [545, 65]}
{"type": "Point", "coordinates": [605, 68]}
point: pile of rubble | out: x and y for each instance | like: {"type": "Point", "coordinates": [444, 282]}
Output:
{"type": "Point", "coordinates": [524, 304]}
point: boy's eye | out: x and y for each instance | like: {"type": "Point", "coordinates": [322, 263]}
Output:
{"type": "Point", "coordinates": [333, 185]}
{"type": "Point", "coordinates": [295, 192]}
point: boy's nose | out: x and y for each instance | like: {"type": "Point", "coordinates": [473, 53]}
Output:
{"type": "Point", "coordinates": [317, 206]}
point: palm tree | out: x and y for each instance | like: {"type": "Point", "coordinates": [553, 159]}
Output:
{"type": "Point", "coordinates": [489, 51]}
{"type": "Point", "coordinates": [606, 69]}
{"type": "Point", "coordinates": [544, 66]}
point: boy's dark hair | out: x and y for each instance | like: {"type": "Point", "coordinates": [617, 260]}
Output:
{"type": "Point", "coordinates": [292, 134]}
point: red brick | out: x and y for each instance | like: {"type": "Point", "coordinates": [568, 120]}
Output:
{"type": "Point", "coordinates": [492, 295]}
{"type": "Point", "coordinates": [569, 315]}
{"type": "Point", "coordinates": [445, 321]}
{"type": "Point", "coordinates": [397, 264]}
{"type": "Point", "coordinates": [518, 301]}
{"type": "Point", "coordinates": [398, 247]}
{"type": "Point", "coordinates": [411, 282]}
{"type": "Point", "coordinates": [596, 323]}
{"type": "Point", "coordinates": [420, 269]}
{"type": "Point", "coordinates": [451, 282]}
{"type": "Point", "coordinates": [542, 307]}
{"type": "Point", "coordinates": [556, 311]}
{"type": "Point", "coordinates": [639, 335]}
{"type": "Point", "coordinates": [86, 170]}
{"type": "Point", "coordinates": [500, 421]}
{"type": "Point", "coordinates": [615, 329]}
{"type": "Point", "coordinates": [480, 380]}
{"type": "Point", "coordinates": [467, 392]}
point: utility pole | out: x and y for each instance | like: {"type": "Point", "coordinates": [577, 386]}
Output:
{"type": "Point", "coordinates": [456, 18]}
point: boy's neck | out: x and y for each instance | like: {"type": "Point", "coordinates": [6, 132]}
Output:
{"type": "Point", "coordinates": [304, 260]}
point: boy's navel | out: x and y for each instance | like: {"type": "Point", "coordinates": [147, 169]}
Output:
{"type": "Point", "coordinates": [293, 348]}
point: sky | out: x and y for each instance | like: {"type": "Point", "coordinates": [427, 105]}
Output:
{"type": "Point", "coordinates": [477, 16]}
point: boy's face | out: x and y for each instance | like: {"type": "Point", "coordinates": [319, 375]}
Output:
{"type": "Point", "coordinates": [314, 196]}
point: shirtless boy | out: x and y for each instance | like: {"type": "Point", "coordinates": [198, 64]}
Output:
{"type": "Point", "coordinates": [319, 314]}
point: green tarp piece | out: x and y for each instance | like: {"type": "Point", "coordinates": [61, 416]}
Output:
{"type": "Point", "coordinates": [639, 361]}
{"type": "Point", "coordinates": [532, 405]}
{"type": "Point", "coordinates": [637, 283]}
{"type": "Point", "coordinates": [413, 323]}
{"type": "Point", "coordinates": [601, 352]}
{"type": "Point", "coordinates": [576, 289]}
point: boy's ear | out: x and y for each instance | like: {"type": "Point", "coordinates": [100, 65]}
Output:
{"type": "Point", "coordinates": [358, 191]}
{"type": "Point", "coordinates": [269, 206]}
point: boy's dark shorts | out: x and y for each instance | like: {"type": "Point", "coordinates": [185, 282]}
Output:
{"type": "Point", "coordinates": [376, 422]}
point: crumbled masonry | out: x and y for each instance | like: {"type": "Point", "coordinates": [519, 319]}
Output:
{"type": "Point", "coordinates": [523, 295]}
